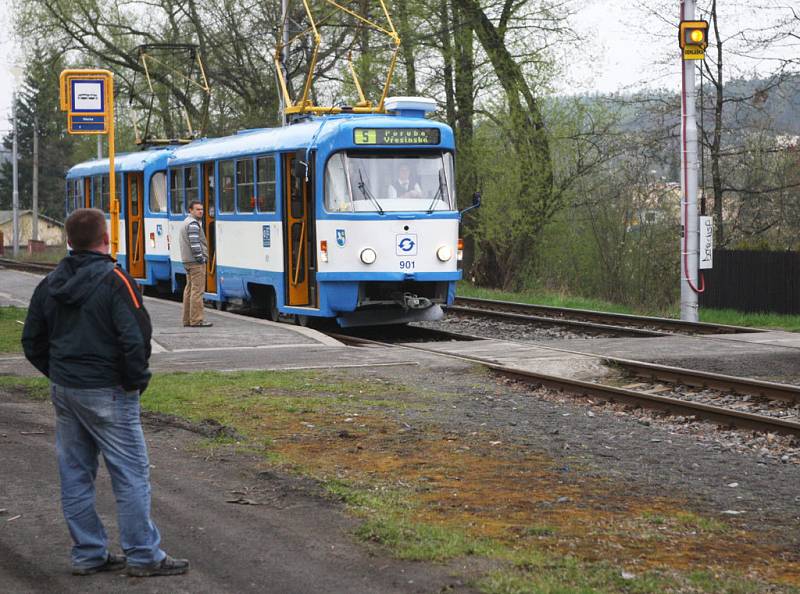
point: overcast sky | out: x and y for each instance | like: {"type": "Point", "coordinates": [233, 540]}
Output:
{"type": "Point", "coordinates": [625, 47]}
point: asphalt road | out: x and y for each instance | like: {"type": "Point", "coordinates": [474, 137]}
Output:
{"type": "Point", "coordinates": [285, 539]}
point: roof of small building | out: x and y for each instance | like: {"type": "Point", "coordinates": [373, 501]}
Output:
{"type": "Point", "coordinates": [8, 215]}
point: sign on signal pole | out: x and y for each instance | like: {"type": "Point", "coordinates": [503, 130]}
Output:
{"type": "Point", "coordinates": [88, 98]}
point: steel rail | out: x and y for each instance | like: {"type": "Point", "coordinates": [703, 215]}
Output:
{"type": "Point", "coordinates": [27, 266]}
{"type": "Point", "coordinates": [550, 311]}
{"type": "Point", "coordinates": [704, 379]}
{"type": "Point", "coordinates": [720, 415]}
{"type": "Point", "coordinates": [593, 326]}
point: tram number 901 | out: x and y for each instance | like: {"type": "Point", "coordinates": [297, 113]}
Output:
{"type": "Point", "coordinates": [407, 264]}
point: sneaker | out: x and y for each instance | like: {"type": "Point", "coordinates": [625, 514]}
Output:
{"type": "Point", "coordinates": [167, 566]}
{"type": "Point", "coordinates": [113, 563]}
{"type": "Point", "coordinates": [202, 325]}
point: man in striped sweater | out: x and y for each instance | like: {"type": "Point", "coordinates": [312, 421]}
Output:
{"type": "Point", "coordinates": [194, 254]}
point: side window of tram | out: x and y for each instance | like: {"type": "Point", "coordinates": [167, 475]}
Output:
{"type": "Point", "coordinates": [77, 194]}
{"type": "Point", "coordinates": [245, 198]}
{"type": "Point", "coordinates": [191, 187]}
{"type": "Point", "coordinates": [265, 184]}
{"type": "Point", "coordinates": [100, 192]}
{"type": "Point", "coordinates": [105, 199]}
{"type": "Point", "coordinates": [134, 189]}
{"type": "Point", "coordinates": [70, 199]}
{"type": "Point", "coordinates": [175, 191]}
{"type": "Point", "coordinates": [158, 192]}
{"type": "Point", "coordinates": [226, 186]}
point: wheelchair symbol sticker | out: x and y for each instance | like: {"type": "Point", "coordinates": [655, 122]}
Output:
{"type": "Point", "coordinates": [341, 238]}
{"type": "Point", "coordinates": [406, 245]}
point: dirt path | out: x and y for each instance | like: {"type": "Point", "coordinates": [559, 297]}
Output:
{"type": "Point", "coordinates": [291, 541]}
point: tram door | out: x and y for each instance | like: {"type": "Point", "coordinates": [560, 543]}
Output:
{"type": "Point", "coordinates": [209, 225]}
{"type": "Point", "coordinates": [87, 192]}
{"type": "Point", "coordinates": [134, 224]}
{"type": "Point", "coordinates": [298, 234]}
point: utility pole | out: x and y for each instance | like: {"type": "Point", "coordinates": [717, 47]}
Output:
{"type": "Point", "coordinates": [690, 232]}
{"type": "Point", "coordinates": [35, 190]}
{"type": "Point", "coordinates": [15, 192]}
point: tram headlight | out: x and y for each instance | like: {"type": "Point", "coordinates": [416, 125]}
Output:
{"type": "Point", "coordinates": [368, 256]}
{"type": "Point", "coordinates": [444, 253]}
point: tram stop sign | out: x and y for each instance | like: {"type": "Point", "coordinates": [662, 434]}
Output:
{"type": "Point", "coordinates": [87, 97]}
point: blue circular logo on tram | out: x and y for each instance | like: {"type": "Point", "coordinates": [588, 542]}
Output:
{"type": "Point", "coordinates": [406, 244]}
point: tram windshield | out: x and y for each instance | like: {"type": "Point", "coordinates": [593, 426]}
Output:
{"type": "Point", "coordinates": [389, 182]}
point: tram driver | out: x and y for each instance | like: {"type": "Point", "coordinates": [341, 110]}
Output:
{"type": "Point", "coordinates": [405, 184]}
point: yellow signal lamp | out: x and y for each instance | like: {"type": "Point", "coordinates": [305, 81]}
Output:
{"type": "Point", "coordinates": [693, 34]}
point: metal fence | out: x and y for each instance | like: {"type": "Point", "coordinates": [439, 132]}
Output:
{"type": "Point", "coordinates": [751, 281]}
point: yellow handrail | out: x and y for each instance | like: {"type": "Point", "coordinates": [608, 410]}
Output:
{"type": "Point", "coordinates": [300, 253]}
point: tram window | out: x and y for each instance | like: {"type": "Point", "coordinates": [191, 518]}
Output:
{"type": "Point", "coordinates": [104, 201]}
{"type": "Point", "coordinates": [134, 189]}
{"type": "Point", "coordinates": [175, 193]}
{"type": "Point", "coordinates": [77, 194]}
{"type": "Point", "coordinates": [361, 181]}
{"type": "Point", "coordinates": [70, 196]}
{"type": "Point", "coordinates": [265, 184]}
{"type": "Point", "coordinates": [99, 191]}
{"type": "Point", "coordinates": [226, 188]}
{"type": "Point", "coordinates": [191, 189]}
{"type": "Point", "coordinates": [337, 191]}
{"type": "Point", "coordinates": [245, 199]}
{"type": "Point", "coordinates": [158, 192]}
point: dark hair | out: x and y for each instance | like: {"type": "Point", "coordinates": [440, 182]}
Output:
{"type": "Point", "coordinates": [193, 202]}
{"type": "Point", "coordinates": [85, 228]}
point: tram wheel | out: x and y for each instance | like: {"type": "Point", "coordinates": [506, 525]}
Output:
{"type": "Point", "coordinates": [272, 311]}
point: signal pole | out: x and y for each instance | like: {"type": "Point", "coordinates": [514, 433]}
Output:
{"type": "Point", "coordinates": [690, 231]}
{"type": "Point", "coordinates": [15, 175]}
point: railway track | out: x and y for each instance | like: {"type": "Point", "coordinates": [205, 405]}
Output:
{"type": "Point", "coordinates": [26, 266]}
{"type": "Point", "coordinates": [675, 376]}
{"type": "Point", "coordinates": [588, 320]}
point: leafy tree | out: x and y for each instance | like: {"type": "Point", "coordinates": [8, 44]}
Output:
{"type": "Point", "coordinates": [38, 112]}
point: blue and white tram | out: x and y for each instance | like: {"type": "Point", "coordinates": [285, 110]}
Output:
{"type": "Point", "coordinates": [304, 219]}
{"type": "Point", "coordinates": [142, 194]}
{"type": "Point", "coordinates": [348, 216]}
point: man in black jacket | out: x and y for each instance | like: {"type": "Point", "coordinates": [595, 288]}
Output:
{"type": "Point", "coordinates": [88, 331]}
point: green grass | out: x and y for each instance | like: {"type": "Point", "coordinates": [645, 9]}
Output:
{"type": "Point", "coordinates": [35, 387]}
{"type": "Point", "coordinates": [713, 316]}
{"type": "Point", "coordinates": [224, 396]}
{"type": "Point", "coordinates": [11, 329]}
{"type": "Point", "coordinates": [751, 320]}
{"type": "Point", "coordinates": [465, 289]}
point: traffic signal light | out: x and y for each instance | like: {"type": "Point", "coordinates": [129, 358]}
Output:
{"type": "Point", "coordinates": [693, 38]}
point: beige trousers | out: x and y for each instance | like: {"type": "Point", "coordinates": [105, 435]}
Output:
{"type": "Point", "coordinates": [193, 294]}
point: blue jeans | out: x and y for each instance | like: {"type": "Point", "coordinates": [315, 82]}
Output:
{"type": "Point", "coordinates": [88, 422]}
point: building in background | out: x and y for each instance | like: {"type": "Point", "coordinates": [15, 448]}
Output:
{"type": "Point", "coordinates": [51, 232]}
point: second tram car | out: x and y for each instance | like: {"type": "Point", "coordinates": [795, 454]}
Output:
{"type": "Point", "coordinates": [142, 194]}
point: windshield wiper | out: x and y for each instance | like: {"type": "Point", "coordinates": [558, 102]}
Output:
{"type": "Point", "coordinates": [440, 192]}
{"type": "Point", "coordinates": [365, 191]}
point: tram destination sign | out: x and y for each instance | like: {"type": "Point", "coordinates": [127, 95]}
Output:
{"type": "Point", "coordinates": [396, 136]}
